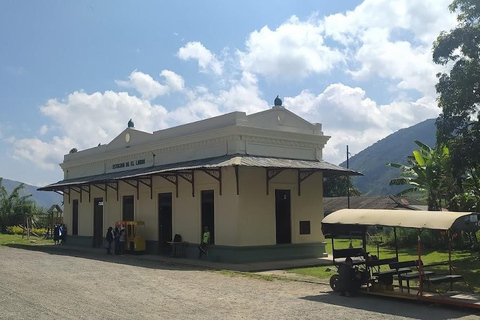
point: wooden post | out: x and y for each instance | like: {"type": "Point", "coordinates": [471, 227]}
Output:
{"type": "Point", "coordinates": [420, 265]}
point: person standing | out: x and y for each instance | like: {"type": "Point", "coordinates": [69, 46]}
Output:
{"type": "Point", "coordinates": [109, 240]}
{"type": "Point", "coordinates": [116, 236]}
{"type": "Point", "coordinates": [56, 234]}
{"type": "Point", "coordinates": [202, 248]}
{"type": "Point", "coordinates": [60, 234]}
{"type": "Point", "coordinates": [64, 233]}
{"type": "Point", "coordinates": [122, 238]}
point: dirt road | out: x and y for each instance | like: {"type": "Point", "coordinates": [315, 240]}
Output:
{"type": "Point", "coordinates": [46, 285]}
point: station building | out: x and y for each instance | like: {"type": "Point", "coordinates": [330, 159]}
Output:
{"type": "Point", "coordinates": [255, 180]}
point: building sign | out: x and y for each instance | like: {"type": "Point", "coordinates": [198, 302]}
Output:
{"type": "Point", "coordinates": [128, 164]}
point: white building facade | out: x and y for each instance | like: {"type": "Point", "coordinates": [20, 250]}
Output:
{"type": "Point", "coordinates": [255, 180]}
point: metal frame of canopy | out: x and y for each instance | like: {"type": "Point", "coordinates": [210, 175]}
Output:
{"type": "Point", "coordinates": [347, 221]}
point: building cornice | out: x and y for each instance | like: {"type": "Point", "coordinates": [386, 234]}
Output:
{"type": "Point", "coordinates": [204, 139]}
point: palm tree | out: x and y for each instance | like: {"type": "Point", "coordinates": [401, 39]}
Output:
{"type": "Point", "coordinates": [13, 206]}
{"type": "Point", "coordinates": [427, 171]}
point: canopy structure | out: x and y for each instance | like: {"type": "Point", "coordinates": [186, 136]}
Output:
{"type": "Point", "coordinates": [355, 219]}
{"type": "Point", "coordinates": [211, 166]}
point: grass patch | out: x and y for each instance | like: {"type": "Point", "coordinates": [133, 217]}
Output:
{"type": "Point", "coordinates": [465, 262]}
{"type": "Point", "coordinates": [6, 239]}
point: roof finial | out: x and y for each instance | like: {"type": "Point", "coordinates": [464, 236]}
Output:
{"type": "Point", "coordinates": [131, 124]}
{"type": "Point", "coordinates": [277, 102]}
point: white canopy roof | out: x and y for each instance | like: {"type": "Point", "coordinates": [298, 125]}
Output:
{"type": "Point", "coordinates": [439, 220]}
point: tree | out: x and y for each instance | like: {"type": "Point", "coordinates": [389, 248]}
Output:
{"type": "Point", "coordinates": [13, 206]}
{"type": "Point", "coordinates": [427, 171]}
{"type": "Point", "coordinates": [337, 187]}
{"type": "Point", "coordinates": [459, 89]}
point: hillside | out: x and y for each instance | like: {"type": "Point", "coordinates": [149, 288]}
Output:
{"type": "Point", "coordinates": [394, 148]}
{"type": "Point", "coordinates": [41, 198]}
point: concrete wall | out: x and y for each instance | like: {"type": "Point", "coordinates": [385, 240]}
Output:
{"type": "Point", "coordinates": [247, 219]}
{"type": "Point", "coordinates": [257, 218]}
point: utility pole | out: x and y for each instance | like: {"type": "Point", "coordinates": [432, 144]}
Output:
{"type": "Point", "coordinates": [348, 183]}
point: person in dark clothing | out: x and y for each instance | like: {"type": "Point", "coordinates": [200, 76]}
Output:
{"type": "Point", "coordinates": [350, 279]}
{"type": "Point", "coordinates": [109, 240]}
{"type": "Point", "coordinates": [122, 238]}
{"type": "Point", "coordinates": [63, 237]}
{"type": "Point", "coordinates": [116, 236]}
{"type": "Point", "coordinates": [56, 234]}
{"type": "Point", "coordinates": [202, 248]}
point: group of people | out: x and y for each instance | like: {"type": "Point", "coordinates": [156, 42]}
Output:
{"type": "Point", "coordinates": [115, 237]}
{"type": "Point", "coordinates": [60, 234]}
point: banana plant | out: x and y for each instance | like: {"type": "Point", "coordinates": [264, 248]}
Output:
{"type": "Point", "coordinates": [426, 171]}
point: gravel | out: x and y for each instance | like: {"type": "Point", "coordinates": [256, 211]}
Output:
{"type": "Point", "coordinates": [58, 284]}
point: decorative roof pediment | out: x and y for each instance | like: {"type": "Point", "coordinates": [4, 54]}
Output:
{"type": "Point", "coordinates": [279, 118]}
{"type": "Point", "coordinates": [128, 138]}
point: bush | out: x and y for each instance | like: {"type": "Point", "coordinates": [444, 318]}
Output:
{"type": "Point", "coordinates": [18, 230]}
{"type": "Point", "coordinates": [431, 239]}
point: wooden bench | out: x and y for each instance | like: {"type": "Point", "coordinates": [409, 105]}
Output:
{"type": "Point", "coordinates": [396, 268]}
{"type": "Point", "coordinates": [412, 276]}
{"type": "Point", "coordinates": [442, 279]}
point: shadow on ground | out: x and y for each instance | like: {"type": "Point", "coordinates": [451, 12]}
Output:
{"type": "Point", "coordinates": [391, 306]}
{"type": "Point", "coordinates": [144, 261]}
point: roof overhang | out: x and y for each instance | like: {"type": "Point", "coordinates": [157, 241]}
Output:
{"type": "Point", "coordinates": [218, 162]}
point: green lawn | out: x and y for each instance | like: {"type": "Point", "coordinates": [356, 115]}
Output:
{"type": "Point", "coordinates": [6, 239]}
{"type": "Point", "coordinates": [464, 262]}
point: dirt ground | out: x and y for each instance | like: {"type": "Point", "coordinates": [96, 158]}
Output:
{"type": "Point", "coordinates": [46, 284]}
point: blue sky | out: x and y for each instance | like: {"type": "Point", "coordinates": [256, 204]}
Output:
{"type": "Point", "coordinates": [72, 73]}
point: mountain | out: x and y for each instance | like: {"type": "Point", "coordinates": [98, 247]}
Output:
{"type": "Point", "coordinates": [394, 148]}
{"type": "Point", "coordinates": [41, 198]}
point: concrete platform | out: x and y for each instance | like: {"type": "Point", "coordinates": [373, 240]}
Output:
{"type": "Point", "coordinates": [243, 267]}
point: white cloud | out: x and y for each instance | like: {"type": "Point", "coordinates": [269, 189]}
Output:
{"type": "Point", "coordinates": [43, 129]}
{"type": "Point", "coordinates": [174, 81]}
{"type": "Point", "coordinates": [240, 95]}
{"type": "Point", "coordinates": [393, 40]}
{"type": "Point", "coordinates": [350, 117]}
{"type": "Point", "coordinates": [85, 120]}
{"type": "Point", "coordinates": [295, 49]}
{"type": "Point", "coordinates": [425, 19]}
{"type": "Point", "coordinates": [148, 87]}
{"type": "Point", "coordinates": [45, 155]}
{"type": "Point", "coordinates": [207, 61]}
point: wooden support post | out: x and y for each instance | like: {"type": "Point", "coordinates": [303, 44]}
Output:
{"type": "Point", "coordinates": [420, 265]}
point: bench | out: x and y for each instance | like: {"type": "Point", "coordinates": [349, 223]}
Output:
{"type": "Point", "coordinates": [412, 276]}
{"type": "Point", "coordinates": [179, 249]}
{"type": "Point", "coordinates": [396, 268]}
{"type": "Point", "coordinates": [442, 279]}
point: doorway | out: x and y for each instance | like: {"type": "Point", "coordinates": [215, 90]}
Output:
{"type": "Point", "coordinates": [164, 222]}
{"type": "Point", "coordinates": [208, 213]}
{"type": "Point", "coordinates": [128, 208]}
{"type": "Point", "coordinates": [97, 222]}
{"type": "Point", "coordinates": [75, 218]}
{"type": "Point", "coordinates": [283, 216]}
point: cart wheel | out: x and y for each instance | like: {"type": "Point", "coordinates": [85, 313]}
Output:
{"type": "Point", "coordinates": [334, 282]}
